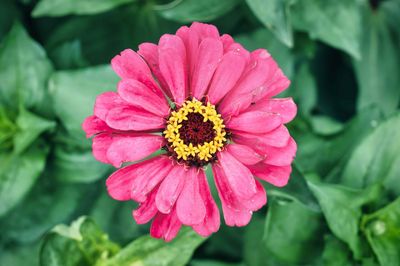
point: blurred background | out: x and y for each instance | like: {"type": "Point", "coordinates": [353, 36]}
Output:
{"type": "Point", "coordinates": [342, 204]}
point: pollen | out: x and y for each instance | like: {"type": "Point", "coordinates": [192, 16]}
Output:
{"type": "Point", "coordinates": [195, 132]}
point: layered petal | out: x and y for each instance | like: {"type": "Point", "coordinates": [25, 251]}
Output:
{"type": "Point", "coordinates": [191, 40]}
{"type": "Point", "coordinates": [211, 221]}
{"type": "Point", "coordinates": [170, 189]}
{"type": "Point", "coordinates": [93, 125]}
{"type": "Point", "coordinates": [190, 206]}
{"type": "Point", "coordinates": [284, 107]}
{"type": "Point", "coordinates": [278, 137]}
{"type": "Point", "coordinates": [139, 95]}
{"type": "Point", "coordinates": [123, 184]}
{"type": "Point", "coordinates": [147, 209]}
{"type": "Point", "coordinates": [254, 122]}
{"type": "Point", "coordinates": [100, 145]}
{"type": "Point", "coordinates": [149, 52]}
{"type": "Point", "coordinates": [172, 61]}
{"type": "Point", "coordinates": [238, 176]}
{"type": "Point", "coordinates": [205, 30]}
{"type": "Point", "coordinates": [226, 76]}
{"type": "Point", "coordinates": [276, 175]}
{"type": "Point", "coordinates": [209, 55]}
{"type": "Point", "coordinates": [105, 102]}
{"type": "Point", "coordinates": [244, 154]}
{"type": "Point", "coordinates": [133, 118]}
{"type": "Point", "coordinates": [165, 226]}
{"type": "Point", "coordinates": [281, 156]}
{"type": "Point", "coordinates": [133, 147]}
{"type": "Point", "coordinates": [130, 65]}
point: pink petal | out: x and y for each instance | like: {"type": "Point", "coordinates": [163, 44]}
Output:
{"type": "Point", "coordinates": [234, 213]}
{"type": "Point", "coordinates": [275, 85]}
{"type": "Point", "coordinates": [170, 189]}
{"type": "Point", "coordinates": [130, 148]}
{"type": "Point", "coordinates": [258, 200]}
{"type": "Point", "coordinates": [244, 154]}
{"type": "Point", "coordinates": [190, 206]}
{"type": "Point", "coordinates": [100, 145]}
{"type": "Point", "coordinates": [254, 122]}
{"type": "Point", "coordinates": [191, 41]}
{"type": "Point", "coordinates": [120, 182]}
{"type": "Point", "coordinates": [278, 137]}
{"type": "Point", "coordinates": [205, 30]}
{"type": "Point", "coordinates": [281, 156]}
{"type": "Point", "coordinates": [239, 177]}
{"type": "Point", "coordinates": [285, 107]}
{"type": "Point", "coordinates": [133, 118]}
{"type": "Point", "coordinates": [165, 226]}
{"type": "Point", "coordinates": [227, 41]}
{"type": "Point", "coordinates": [149, 176]}
{"type": "Point", "coordinates": [173, 65]}
{"type": "Point", "coordinates": [257, 71]}
{"type": "Point", "coordinates": [226, 76]}
{"type": "Point", "coordinates": [130, 65]}
{"type": "Point", "coordinates": [105, 102]}
{"type": "Point", "coordinates": [209, 56]}
{"type": "Point", "coordinates": [211, 221]}
{"type": "Point", "coordinates": [94, 125]}
{"type": "Point", "coordinates": [276, 175]}
{"type": "Point", "coordinates": [147, 209]}
{"type": "Point", "coordinates": [149, 52]}
{"type": "Point", "coordinates": [139, 95]}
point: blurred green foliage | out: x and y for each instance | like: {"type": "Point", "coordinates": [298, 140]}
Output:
{"type": "Point", "coordinates": [341, 206]}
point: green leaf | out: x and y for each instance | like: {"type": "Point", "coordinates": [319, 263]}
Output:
{"type": "Point", "coordinates": [378, 71]}
{"type": "Point", "coordinates": [342, 210]}
{"type": "Point", "coordinates": [47, 204]}
{"type": "Point", "coordinates": [335, 252]}
{"type": "Point", "coordinates": [30, 126]}
{"type": "Point", "coordinates": [325, 125]}
{"type": "Point", "coordinates": [82, 243]}
{"type": "Point", "coordinates": [18, 173]}
{"type": "Point", "coordinates": [292, 243]}
{"type": "Point", "coordinates": [71, 165]}
{"type": "Point", "coordinates": [74, 94]}
{"type": "Point", "coordinates": [68, 56]}
{"type": "Point", "coordinates": [19, 255]}
{"type": "Point", "coordinates": [8, 13]}
{"type": "Point", "coordinates": [193, 10]}
{"type": "Point", "coordinates": [383, 233]}
{"type": "Point", "coordinates": [304, 90]}
{"type": "Point", "coordinates": [56, 8]}
{"type": "Point", "coordinates": [335, 22]}
{"type": "Point", "coordinates": [148, 251]}
{"type": "Point", "coordinates": [275, 15]}
{"type": "Point", "coordinates": [377, 158]}
{"type": "Point", "coordinates": [24, 70]}
{"type": "Point", "coordinates": [297, 189]}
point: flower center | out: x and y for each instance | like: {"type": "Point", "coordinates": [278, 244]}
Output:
{"type": "Point", "coordinates": [194, 133]}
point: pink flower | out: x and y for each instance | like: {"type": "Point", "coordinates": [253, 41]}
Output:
{"type": "Point", "coordinates": [203, 99]}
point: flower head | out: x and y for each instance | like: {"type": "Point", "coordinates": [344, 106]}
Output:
{"type": "Point", "coordinates": [203, 100]}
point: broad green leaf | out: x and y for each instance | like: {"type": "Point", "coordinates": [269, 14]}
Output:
{"type": "Point", "coordinates": [30, 126]}
{"type": "Point", "coordinates": [336, 252]}
{"type": "Point", "coordinates": [383, 233]}
{"type": "Point", "coordinates": [18, 173]}
{"type": "Point", "coordinates": [262, 38]}
{"type": "Point", "coordinates": [82, 243]}
{"type": "Point", "coordinates": [24, 70]}
{"type": "Point", "coordinates": [292, 233]}
{"type": "Point", "coordinates": [304, 90]}
{"type": "Point", "coordinates": [147, 251]}
{"type": "Point", "coordinates": [193, 10]}
{"type": "Point", "coordinates": [378, 71]}
{"type": "Point", "coordinates": [326, 155]}
{"type": "Point", "coordinates": [19, 255]}
{"type": "Point", "coordinates": [213, 263]}
{"type": "Point", "coordinates": [297, 189]}
{"type": "Point", "coordinates": [324, 125]}
{"type": "Point", "coordinates": [377, 158]}
{"type": "Point", "coordinates": [56, 8]}
{"type": "Point", "coordinates": [49, 203]}
{"type": "Point", "coordinates": [342, 210]}
{"type": "Point", "coordinates": [68, 56]}
{"type": "Point", "coordinates": [74, 94]}
{"type": "Point", "coordinates": [8, 129]}
{"type": "Point", "coordinates": [8, 13]}
{"type": "Point", "coordinates": [275, 15]}
{"type": "Point", "coordinates": [335, 22]}
{"type": "Point", "coordinates": [72, 165]}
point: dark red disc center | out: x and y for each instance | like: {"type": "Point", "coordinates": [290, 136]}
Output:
{"type": "Point", "coordinates": [194, 130]}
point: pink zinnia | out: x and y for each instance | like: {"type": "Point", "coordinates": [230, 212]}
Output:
{"type": "Point", "coordinates": [202, 99]}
